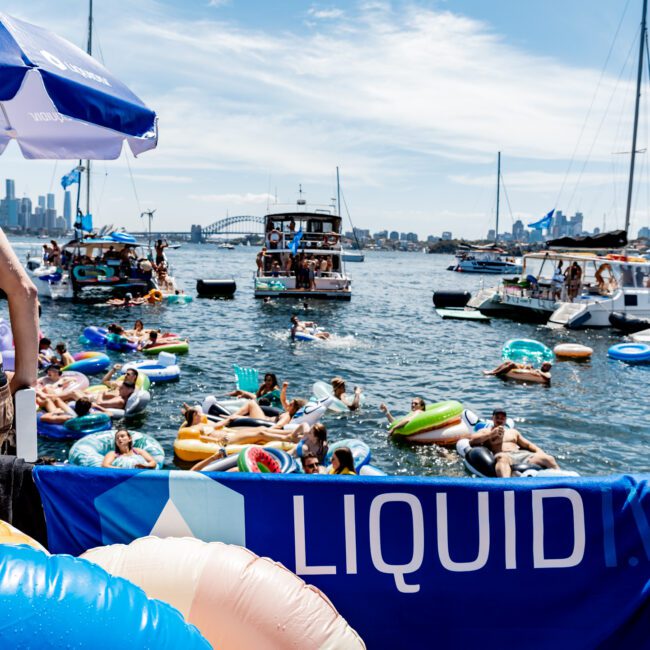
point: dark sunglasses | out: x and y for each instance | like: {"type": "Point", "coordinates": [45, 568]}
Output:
{"type": "Point", "coordinates": [312, 465]}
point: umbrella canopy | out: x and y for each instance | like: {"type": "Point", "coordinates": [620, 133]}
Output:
{"type": "Point", "coordinates": [57, 102]}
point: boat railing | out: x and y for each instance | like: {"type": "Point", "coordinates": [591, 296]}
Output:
{"type": "Point", "coordinates": [322, 240]}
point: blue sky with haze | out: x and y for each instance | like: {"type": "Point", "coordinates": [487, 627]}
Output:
{"type": "Point", "coordinates": [411, 99]}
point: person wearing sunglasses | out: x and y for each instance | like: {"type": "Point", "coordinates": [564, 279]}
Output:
{"type": "Point", "coordinates": [417, 405]}
{"type": "Point", "coordinates": [310, 463]}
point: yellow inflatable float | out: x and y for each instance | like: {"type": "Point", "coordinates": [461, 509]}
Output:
{"type": "Point", "coordinates": [192, 444]}
{"type": "Point", "coordinates": [235, 598]}
{"type": "Point", "coordinates": [14, 537]}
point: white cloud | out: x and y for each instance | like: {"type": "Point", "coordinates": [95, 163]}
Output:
{"type": "Point", "coordinates": [534, 181]}
{"type": "Point", "coordinates": [163, 178]}
{"type": "Point", "coordinates": [239, 199]}
{"type": "Point", "coordinates": [325, 14]}
{"type": "Point", "coordinates": [218, 3]}
{"type": "Point", "coordinates": [397, 95]}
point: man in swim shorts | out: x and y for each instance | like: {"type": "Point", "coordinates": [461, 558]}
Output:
{"type": "Point", "coordinates": [509, 446]}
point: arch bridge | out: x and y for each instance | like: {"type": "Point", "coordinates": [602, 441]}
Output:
{"type": "Point", "coordinates": [239, 225]}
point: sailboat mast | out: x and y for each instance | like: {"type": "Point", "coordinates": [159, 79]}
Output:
{"type": "Point", "coordinates": [642, 38]}
{"type": "Point", "coordinates": [496, 230]}
{"type": "Point", "coordinates": [89, 50]}
{"type": "Point", "coordinates": [338, 192]}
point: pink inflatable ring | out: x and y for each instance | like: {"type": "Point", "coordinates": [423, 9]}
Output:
{"type": "Point", "coordinates": [234, 597]}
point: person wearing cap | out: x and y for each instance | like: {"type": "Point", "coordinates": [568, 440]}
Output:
{"type": "Point", "coordinates": [509, 446]}
{"type": "Point", "coordinates": [522, 372]}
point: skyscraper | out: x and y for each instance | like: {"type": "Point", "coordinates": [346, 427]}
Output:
{"type": "Point", "coordinates": [11, 189]}
{"type": "Point", "coordinates": [67, 210]}
{"type": "Point", "coordinates": [50, 202]}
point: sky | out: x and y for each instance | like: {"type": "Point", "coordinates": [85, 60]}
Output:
{"type": "Point", "coordinates": [412, 100]}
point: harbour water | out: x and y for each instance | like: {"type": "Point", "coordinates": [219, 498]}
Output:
{"type": "Point", "coordinates": [388, 340]}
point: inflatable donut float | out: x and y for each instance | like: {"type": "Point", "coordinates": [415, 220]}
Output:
{"type": "Point", "coordinates": [572, 351]}
{"type": "Point", "coordinates": [234, 597]}
{"type": "Point", "coordinates": [53, 601]}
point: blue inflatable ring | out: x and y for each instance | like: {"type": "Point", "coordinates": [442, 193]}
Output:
{"type": "Point", "coordinates": [90, 366]}
{"type": "Point", "coordinates": [119, 343]}
{"type": "Point", "coordinates": [96, 335]}
{"type": "Point", "coordinates": [526, 351]}
{"type": "Point", "coordinates": [79, 603]}
{"type": "Point", "coordinates": [360, 452]}
{"type": "Point", "coordinates": [630, 352]}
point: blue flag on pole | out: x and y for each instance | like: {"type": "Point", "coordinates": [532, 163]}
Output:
{"type": "Point", "coordinates": [70, 178]}
{"type": "Point", "coordinates": [293, 246]}
{"type": "Point", "coordinates": [543, 223]}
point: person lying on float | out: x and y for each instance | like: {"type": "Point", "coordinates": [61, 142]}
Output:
{"type": "Point", "coordinates": [522, 371]}
{"type": "Point", "coordinates": [510, 447]}
{"type": "Point", "coordinates": [59, 412]}
{"type": "Point", "coordinates": [251, 409]}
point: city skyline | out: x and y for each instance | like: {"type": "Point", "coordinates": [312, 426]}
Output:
{"type": "Point", "coordinates": [21, 214]}
{"type": "Point", "coordinates": [412, 100]}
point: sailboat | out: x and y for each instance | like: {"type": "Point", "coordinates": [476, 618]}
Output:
{"type": "Point", "coordinates": [92, 267]}
{"type": "Point", "coordinates": [486, 259]}
{"type": "Point", "coordinates": [612, 285]}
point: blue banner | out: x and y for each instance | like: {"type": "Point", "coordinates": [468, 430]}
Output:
{"type": "Point", "coordinates": [544, 222]}
{"type": "Point", "coordinates": [70, 178]}
{"type": "Point", "coordinates": [408, 562]}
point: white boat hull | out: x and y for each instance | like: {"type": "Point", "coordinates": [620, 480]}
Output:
{"type": "Point", "coordinates": [595, 312]}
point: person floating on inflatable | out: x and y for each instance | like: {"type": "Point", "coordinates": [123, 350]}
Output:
{"type": "Point", "coordinates": [124, 447]}
{"type": "Point", "coordinates": [417, 406]}
{"type": "Point", "coordinates": [306, 327]}
{"type": "Point", "coordinates": [509, 446]}
{"type": "Point", "coordinates": [523, 372]}
{"type": "Point", "coordinates": [338, 388]}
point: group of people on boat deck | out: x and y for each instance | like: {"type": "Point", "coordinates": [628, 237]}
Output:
{"type": "Point", "coordinates": [305, 267]}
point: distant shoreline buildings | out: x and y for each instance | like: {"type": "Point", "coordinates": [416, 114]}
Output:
{"type": "Point", "coordinates": [21, 216]}
{"type": "Point", "coordinates": [561, 226]}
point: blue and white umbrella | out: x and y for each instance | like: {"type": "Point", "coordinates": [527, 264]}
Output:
{"type": "Point", "coordinates": [57, 102]}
